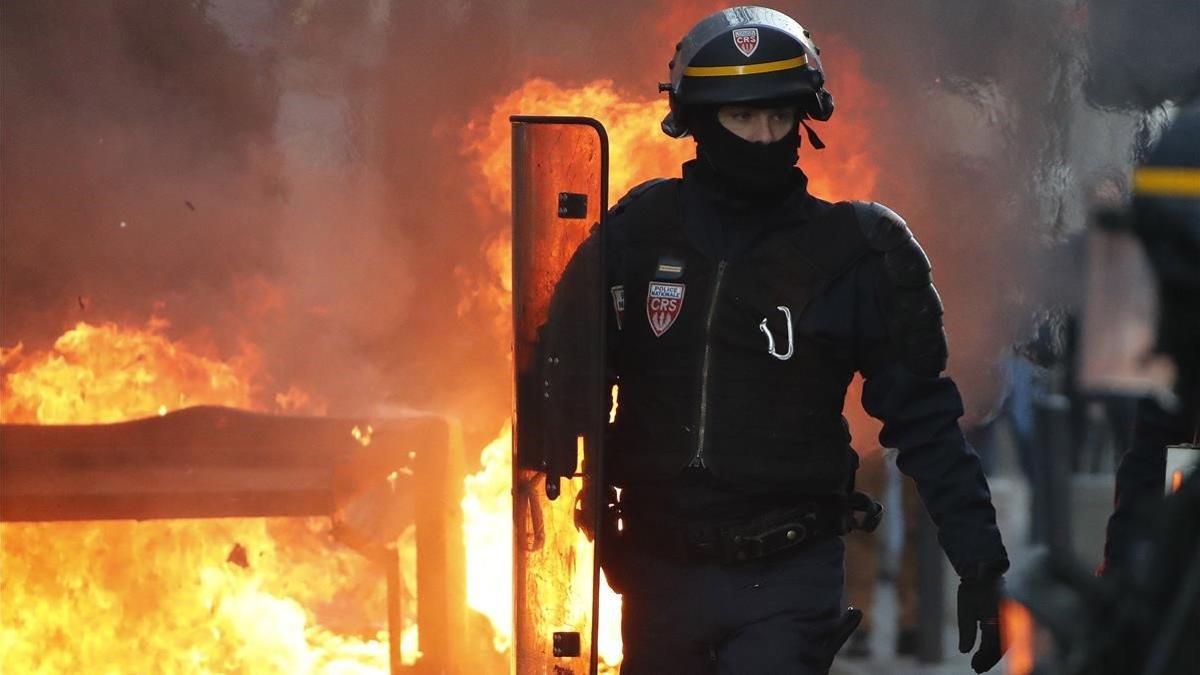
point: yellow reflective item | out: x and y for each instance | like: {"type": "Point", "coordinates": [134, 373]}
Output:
{"type": "Point", "coordinates": [748, 69]}
{"type": "Point", "coordinates": [1166, 181]}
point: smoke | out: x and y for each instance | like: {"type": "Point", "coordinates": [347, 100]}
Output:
{"type": "Point", "coordinates": [1142, 53]}
{"type": "Point", "coordinates": [116, 118]}
{"type": "Point", "coordinates": [291, 173]}
{"type": "Point", "coordinates": [203, 162]}
{"type": "Point", "coordinates": [990, 142]}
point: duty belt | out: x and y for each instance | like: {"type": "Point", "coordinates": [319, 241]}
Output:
{"type": "Point", "coordinates": [750, 539]}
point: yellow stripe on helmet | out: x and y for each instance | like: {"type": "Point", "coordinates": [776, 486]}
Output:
{"type": "Point", "coordinates": [1167, 181]}
{"type": "Point", "coordinates": [748, 69]}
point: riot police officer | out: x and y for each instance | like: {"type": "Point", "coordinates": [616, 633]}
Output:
{"type": "Point", "coordinates": [1142, 613]}
{"type": "Point", "coordinates": [742, 306]}
{"type": "Point", "coordinates": [1165, 215]}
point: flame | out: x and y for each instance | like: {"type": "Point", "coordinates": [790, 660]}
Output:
{"type": "Point", "coordinates": [296, 400]}
{"type": "Point", "coordinates": [487, 525]}
{"type": "Point", "coordinates": [205, 596]}
{"type": "Point", "coordinates": [487, 515]}
{"type": "Point", "coordinates": [1019, 632]}
{"type": "Point", "coordinates": [362, 436]}
{"type": "Point", "coordinates": [107, 373]}
{"type": "Point", "coordinates": [637, 149]}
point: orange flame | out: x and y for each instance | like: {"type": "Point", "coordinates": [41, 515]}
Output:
{"type": "Point", "coordinates": [1018, 630]}
{"type": "Point", "coordinates": [487, 525]}
{"type": "Point", "coordinates": [487, 514]}
{"type": "Point", "coordinates": [228, 595]}
{"type": "Point", "coordinates": [637, 150]}
{"type": "Point", "coordinates": [106, 373]}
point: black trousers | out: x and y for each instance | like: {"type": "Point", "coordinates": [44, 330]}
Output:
{"type": "Point", "coordinates": [768, 616]}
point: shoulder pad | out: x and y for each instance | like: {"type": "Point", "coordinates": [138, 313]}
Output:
{"type": "Point", "coordinates": [916, 327]}
{"type": "Point", "coordinates": [883, 228]}
{"type": "Point", "coordinates": [637, 191]}
{"type": "Point", "coordinates": [886, 232]}
{"type": "Point", "coordinates": [907, 265]}
{"type": "Point", "coordinates": [831, 241]}
{"type": "Point", "coordinates": [916, 312]}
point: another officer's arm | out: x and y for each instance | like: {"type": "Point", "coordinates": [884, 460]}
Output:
{"type": "Point", "coordinates": [1141, 480]}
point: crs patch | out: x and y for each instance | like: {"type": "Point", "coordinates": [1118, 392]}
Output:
{"type": "Point", "coordinates": [618, 297]}
{"type": "Point", "coordinates": [663, 304]}
{"type": "Point", "coordinates": [746, 40]}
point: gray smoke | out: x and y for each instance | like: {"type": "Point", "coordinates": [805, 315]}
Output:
{"type": "Point", "coordinates": [992, 140]}
{"type": "Point", "coordinates": [1142, 53]}
{"type": "Point", "coordinates": [290, 172]}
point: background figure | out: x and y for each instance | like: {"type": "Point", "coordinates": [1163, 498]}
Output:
{"type": "Point", "coordinates": [1025, 384]}
{"type": "Point", "coordinates": [1023, 370]}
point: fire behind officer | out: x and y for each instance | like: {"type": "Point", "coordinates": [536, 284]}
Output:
{"type": "Point", "coordinates": [742, 306]}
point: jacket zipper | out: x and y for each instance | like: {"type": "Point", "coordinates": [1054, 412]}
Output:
{"type": "Point", "coordinates": [698, 458]}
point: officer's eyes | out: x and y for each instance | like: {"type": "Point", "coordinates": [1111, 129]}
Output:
{"type": "Point", "coordinates": [748, 116]}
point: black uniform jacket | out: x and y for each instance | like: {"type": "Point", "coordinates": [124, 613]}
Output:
{"type": "Point", "coordinates": [734, 332]}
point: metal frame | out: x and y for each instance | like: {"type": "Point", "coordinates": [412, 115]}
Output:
{"type": "Point", "coordinates": [210, 462]}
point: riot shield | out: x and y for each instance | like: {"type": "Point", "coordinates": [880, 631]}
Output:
{"type": "Point", "coordinates": [560, 167]}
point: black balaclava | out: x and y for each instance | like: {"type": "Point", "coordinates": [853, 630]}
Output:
{"type": "Point", "coordinates": [751, 169]}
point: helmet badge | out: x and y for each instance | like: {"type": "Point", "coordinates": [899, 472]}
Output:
{"type": "Point", "coordinates": [746, 40]}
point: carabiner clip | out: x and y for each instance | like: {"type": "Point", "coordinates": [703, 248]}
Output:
{"type": "Point", "coordinates": [787, 313]}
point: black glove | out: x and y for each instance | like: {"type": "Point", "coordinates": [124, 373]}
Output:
{"type": "Point", "coordinates": [979, 606]}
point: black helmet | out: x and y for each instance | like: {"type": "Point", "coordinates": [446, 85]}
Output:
{"type": "Point", "coordinates": [745, 54]}
{"type": "Point", "coordinates": [1166, 201]}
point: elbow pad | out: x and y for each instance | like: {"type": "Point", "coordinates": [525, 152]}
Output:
{"type": "Point", "coordinates": [915, 314]}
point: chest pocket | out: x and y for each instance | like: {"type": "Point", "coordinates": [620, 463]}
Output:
{"type": "Point", "coordinates": [770, 364]}
{"type": "Point", "coordinates": [764, 303]}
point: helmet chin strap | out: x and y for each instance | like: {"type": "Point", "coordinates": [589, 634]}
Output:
{"type": "Point", "coordinates": [813, 139]}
